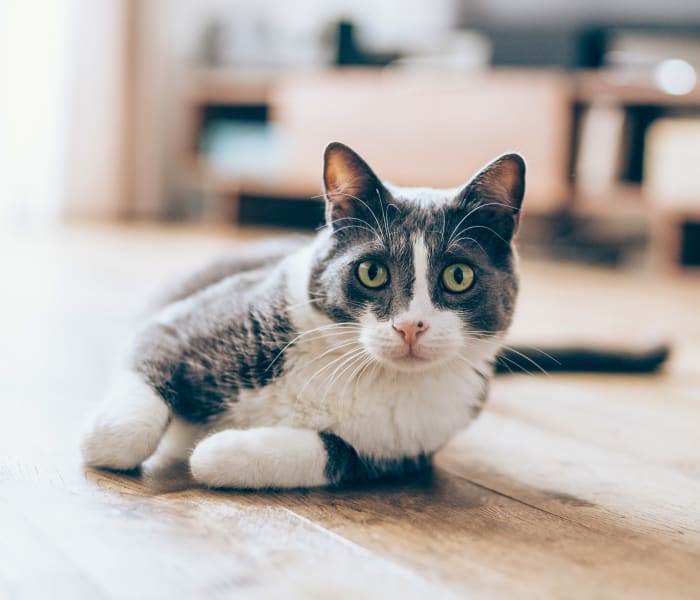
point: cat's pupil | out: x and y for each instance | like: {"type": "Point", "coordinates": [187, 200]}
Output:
{"type": "Point", "coordinates": [458, 275]}
{"type": "Point", "coordinates": [372, 271]}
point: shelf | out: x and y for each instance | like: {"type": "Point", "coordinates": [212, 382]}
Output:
{"type": "Point", "coordinates": [630, 200]}
{"type": "Point", "coordinates": [628, 89]}
{"type": "Point", "coordinates": [276, 186]}
{"type": "Point", "coordinates": [226, 86]}
{"type": "Point", "coordinates": [284, 186]}
{"type": "Point", "coordinates": [619, 201]}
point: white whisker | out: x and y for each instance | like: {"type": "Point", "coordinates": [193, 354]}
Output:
{"type": "Point", "coordinates": [329, 364]}
{"type": "Point", "coordinates": [471, 212]}
{"type": "Point", "coordinates": [349, 326]}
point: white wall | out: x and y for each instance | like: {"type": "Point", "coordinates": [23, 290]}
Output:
{"type": "Point", "coordinates": [33, 104]}
{"type": "Point", "coordinates": [94, 161]}
{"type": "Point", "coordinates": [61, 109]}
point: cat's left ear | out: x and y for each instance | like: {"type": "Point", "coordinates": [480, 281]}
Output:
{"type": "Point", "coordinates": [494, 195]}
{"type": "Point", "coordinates": [352, 189]}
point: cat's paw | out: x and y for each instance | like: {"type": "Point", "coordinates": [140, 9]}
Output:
{"type": "Point", "coordinates": [127, 427]}
{"type": "Point", "coordinates": [260, 458]}
{"type": "Point", "coordinates": [225, 459]}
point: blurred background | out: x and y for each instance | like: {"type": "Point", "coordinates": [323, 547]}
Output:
{"type": "Point", "coordinates": [217, 111]}
{"type": "Point", "coordinates": [140, 138]}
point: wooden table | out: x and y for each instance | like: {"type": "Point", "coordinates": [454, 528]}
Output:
{"type": "Point", "coordinates": [566, 487]}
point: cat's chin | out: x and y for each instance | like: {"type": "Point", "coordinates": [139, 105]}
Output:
{"type": "Point", "coordinates": [411, 363]}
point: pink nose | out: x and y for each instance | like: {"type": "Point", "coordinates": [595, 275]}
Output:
{"type": "Point", "coordinates": [410, 330]}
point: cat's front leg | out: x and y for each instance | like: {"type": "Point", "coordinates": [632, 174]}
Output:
{"type": "Point", "coordinates": [127, 427]}
{"type": "Point", "coordinates": [272, 457]}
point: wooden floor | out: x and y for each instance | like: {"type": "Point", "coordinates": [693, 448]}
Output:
{"type": "Point", "coordinates": [566, 487]}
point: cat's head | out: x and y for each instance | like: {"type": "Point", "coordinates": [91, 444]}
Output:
{"type": "Point", "coordinates": [420, 277]}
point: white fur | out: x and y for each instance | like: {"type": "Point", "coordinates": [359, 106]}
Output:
{"type": "Point", "coordinates": [180, 439]}
{"type": "Point", "coordinates": [260, 457]}
{"type": "Point", "coordinates": [423, 196]}
{"type": "Point", "coordinates": [127, 427]}
{"type": "Point", "coordinates": [383, 413]}
{"type": "Point", "coordinates": [297, 270]}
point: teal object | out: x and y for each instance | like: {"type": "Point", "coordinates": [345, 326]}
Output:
{"type": "Point", "coordinates": [240, 148]}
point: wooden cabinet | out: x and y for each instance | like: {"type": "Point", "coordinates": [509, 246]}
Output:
{"type": "Point", "coordinates": [428, 128]}
{"type": "Point", "coordinates": [413, 128]}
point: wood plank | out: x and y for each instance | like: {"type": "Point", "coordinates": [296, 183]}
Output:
{"type": "Point", "coordinates": [464, 533]}
{"type": "Point", "coordinates": [194, 544]}
{"type": "Point", "coordinates": [599, 489]}
{"type": "Point", "coordinates": [655, 419]}
{"type": "Point", "coordinates": [471, 539]}
{"type": "Point", "coordinates": [33, 567]}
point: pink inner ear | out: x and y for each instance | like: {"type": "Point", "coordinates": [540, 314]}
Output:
{"type": "Point", "coordinates": [344, 171]}
{"type": "Point", "coordinates": [341, 205]}
{"type": "Point", "coordinates": [337, 172]}
{"type": "Point", "coordinates": [502, 179]}
{"type": "Point", "coordinates": [341, 177]}
{"type": "Point", "coordinates": [350, 184]}
{"type": "Point", "coordinates": [507, 173]}
{"type": "Point", "coordinates": [340, 195]}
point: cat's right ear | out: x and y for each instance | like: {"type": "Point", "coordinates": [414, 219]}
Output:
{"type": "Point", "coordinates": [351, 188]}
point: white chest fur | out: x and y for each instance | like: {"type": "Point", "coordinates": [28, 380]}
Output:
{"type": "Point", "coordinates": [381, 413]}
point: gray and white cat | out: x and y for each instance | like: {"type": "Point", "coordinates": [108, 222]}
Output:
{"type": "Point", "coordinates": [349, 357]}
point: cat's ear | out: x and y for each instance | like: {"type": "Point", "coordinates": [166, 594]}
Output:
{"type": "Point", "coordinates": [494, 195]}
{"type": "Point", "coordinates": [351, 188]}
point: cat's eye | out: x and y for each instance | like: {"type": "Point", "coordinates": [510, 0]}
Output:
{"type": "Point", "coordinates": [458, 277]}
{"type": "Point", "coordinates": [372, 274]}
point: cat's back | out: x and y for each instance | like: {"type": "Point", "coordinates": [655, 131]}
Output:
{"type": "Point", "coordinates": [201, 349]}
{"type": "Point", "coordinates": [260, 256]}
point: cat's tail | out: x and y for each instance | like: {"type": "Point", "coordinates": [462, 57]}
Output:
{"type": "Point", "coordinates": [583, 359]}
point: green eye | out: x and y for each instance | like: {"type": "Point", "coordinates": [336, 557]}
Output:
{"type": "Point", "coordinates": [372, 274]}
{"type": "Point", "coordinates": [458, 277]}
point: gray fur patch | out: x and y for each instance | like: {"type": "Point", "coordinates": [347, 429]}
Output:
{"type": "Point", "coordinates": [226, 341]}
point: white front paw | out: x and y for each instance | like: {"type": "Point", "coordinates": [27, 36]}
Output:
{"type": "Point", "coordinates": [260, 458]}
{"type": "Point", "coordinates": [225, 459]}
{"type": "Point", "coordinates": [127, 428]}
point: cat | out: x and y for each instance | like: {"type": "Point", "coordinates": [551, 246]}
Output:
{"type": "Point", "coordinates": [352, 356]}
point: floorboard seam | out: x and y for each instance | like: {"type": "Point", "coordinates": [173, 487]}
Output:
{"type": "Point", "coordinates": [514, 499]}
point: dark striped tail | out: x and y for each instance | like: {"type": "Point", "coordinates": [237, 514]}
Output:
{"type": "Point", "coordinates": [580, 359]}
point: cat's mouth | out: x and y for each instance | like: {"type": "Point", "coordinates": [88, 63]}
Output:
{"type": "Point", "coordinates": [419, 356]}
{"type": "Point", "coordinates": [414, 355]}
{"type": "Point", "coordinates": [411, 361]}
{"type": "Point", "coordinates": [415, 359]}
